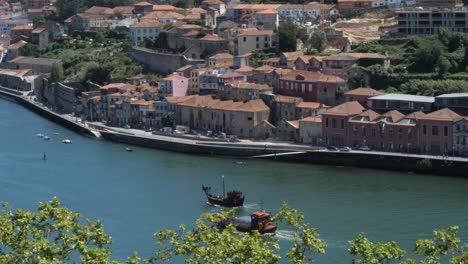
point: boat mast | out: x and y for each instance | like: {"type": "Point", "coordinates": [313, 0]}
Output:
{"type": "Point", "coordinates": [224, 187]}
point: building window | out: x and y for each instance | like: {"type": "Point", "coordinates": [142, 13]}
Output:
{"type": "Point", "coordinates": [326, 122]}
{"type": "Point", "coordinates": [257, 46]}
{"type": "Point", "coordinates": [245, 39]}
{"type": "Point", "coordinates": [256, 39]}
{"type": "Point", "coordinates": [424, 130]}
{"type": "Point", "coordinates": [333, 123]}
{"type": "Point", "coordinates": [435, 130]}
{"type": "Point", "coordinates": [445, 131]}
{"type": "Point", "coordinates": [342, 123]}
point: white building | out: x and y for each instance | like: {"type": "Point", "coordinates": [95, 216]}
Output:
{"type": "Point", "coordinates": [7, 24]}
{"type": "Point", "coordinates": [311, 11]}
{"type": "Point", "coordinates": [148, 29]}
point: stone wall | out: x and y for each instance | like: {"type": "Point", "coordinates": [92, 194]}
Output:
{"type": "Point", "coordinates": [161, 63]}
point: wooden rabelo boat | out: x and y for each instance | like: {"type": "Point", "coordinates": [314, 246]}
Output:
{"type": "Point", "coordinates": [232, 199]}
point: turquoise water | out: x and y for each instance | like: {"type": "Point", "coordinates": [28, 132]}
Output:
{"type": "Point", "coordinates": [146, 190]}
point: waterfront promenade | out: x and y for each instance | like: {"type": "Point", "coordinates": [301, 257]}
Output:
{"type": "Point", "coordinates": [281, 151]}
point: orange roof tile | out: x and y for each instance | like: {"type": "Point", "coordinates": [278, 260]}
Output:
{"type": "Point", "coordinates": [346, 109]}
{"type": "Point", "coordinates": [312, 76]}
{"type": "Point", "coordinates": [313, 119]}
{"type": "Point", "coordinates": [443, 115]}
{"type": "Point", "coordinates": [247, 85]}
{"type": "Point", "coordinates": [364, 92]}
{"type": "Point", "coordinates": [287, 99]}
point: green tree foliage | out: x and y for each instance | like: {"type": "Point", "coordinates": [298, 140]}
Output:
{"type": "Point", "coordinates": [318, 40]}
{"type": "Point", "coordinates": [287, 36]}
{"type": "Point", "coordinates": [56, 74]}
{"type": "Point", "coordinates": [68, 8]}
{"type": "Point", "coordinates": [207, 244]}
{"type": "Point", "coordinates": [54, 234]}
{"type": "Point", "coordinates": [39, 21]}
{"type": "Point", "coordinates": [434, 87]}
{"type": "Point", "coordinates": [167, 120]}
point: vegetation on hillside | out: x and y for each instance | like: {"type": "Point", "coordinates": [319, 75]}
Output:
{"type": "Point", "coordinates": [424, 66]}
{"type": "Point", "coordinates": [90, 56]}
{"type": "Point", "coordinates": [54, 234]}
{"type": "Point", "coordinates": [287, 31]}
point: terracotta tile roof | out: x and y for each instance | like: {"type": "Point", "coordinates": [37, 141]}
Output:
{"type": "Point", "coordinates": [208, 102]}
{"type": "Point", "coordinates": [443, 115]}
{"type": "Point", "coordinates": [293, 54]}
{"type": "Point", "coordinates": [189, 26]}
{"type": "Point", "coordinates": [416, 115]}
{"type": "Point", "coordinates": [230, 75]}
{"type": "Point", "coordinates": [274, 59]}
{"type": "Point", "coordinates": [184, 68]}
{"type": "Point", "coordinates": [265, 69]}
{"type": "Point", "coordinates": [361, 55]}
{"type": "Point", "coordinates": [313, 119]}
{"type": "Point", "coordinates": [210, 37]}
{"type": "Point", "coordinates": [346, 109]}
{"type": "Point", "coordinates": [164, 8]}
{"type": "Point", "coordinates": [147, 24]}
{"type": "Point", "coordinates": [191, 33]}
{"type": "Point", "coordinates": [287, 99]}
{"type": "Point", "coordinates": [268, 12]}
{"type": "Point", "coordinates": [366, 116]}
{"type": "Point", "coordinates": [317, 58]}
{"type": "Point", "coordinates": [143, 102]}
{"type": "Point", "coordinates": [251, 86]}
{"type": "Point", "coordinates": [123, 10]}
{"type": "Point", "coordinates": [22, 28]}
{"type": "Point", "coordinates": [222, 56]}
{"type": "Point", "coordinates": [143, 3]}
{"type": "Point", "coordinates": [364, 92]}
{"type": "Point", "coordinates": [304, 58]}
{"type": "Point", "coordinates": [212, 2]}
{"type": "Point", "coordinates": [310, 105]}
{"type": "Point", "coordinates": [39, 30]}
{"type": "Point", "coordinates": [254, 32]}
{"type": "Point", "coordinates": [393, 116]}
{"type": "Point", "coordinates": [99, 10]}
{"type": "Point", "coordinates": [312, 76]}
{"type": "Point", "coordinates": [293, 123]}
{"type": "Point", "coordinates": [174, 76]}
{"type": "Point", "coordinates": [113, 85]}
{"type": "Point", "coordinates": [244, 69]}
{"type": "Point", "coordinates": [254, 6]}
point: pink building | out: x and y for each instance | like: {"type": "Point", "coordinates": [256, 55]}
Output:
{"type": "Point", "coordinates": [436, 133]}
{"type": "Point", "coordinates": [335, 129]}
{"type": "Point", "coordinates": [311, 86]}
{"type": "Point", "coordinates": [174, 85]}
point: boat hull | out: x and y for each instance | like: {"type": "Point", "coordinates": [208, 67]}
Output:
{"type": "Point", "coordinates": [226, 202]}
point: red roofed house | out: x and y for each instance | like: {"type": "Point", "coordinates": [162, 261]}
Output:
{"type": "Point", "coordinates": [335, 128]}
{"type": "Point", "coordinates": [140, 31]}
{"type": "Point", "coordinates": [361, 95]}
{"type": "Point", "coordinates": [143, 7]}
{"type": "Point", "coordinates": [311, 86]}
{"type": "Point", "coordinates": [436, 131]}
{"type": "Point", "coordinates": [174, 85]}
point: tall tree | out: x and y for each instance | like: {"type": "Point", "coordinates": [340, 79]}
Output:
{"type": "Point", "coordinates": [56, 74]}
{"type": "Point", "coordinates": [318, 40]}
{"type": "Point", "coordinates": [287, 36]}
{"type": "Point", "coordinates": [68, 8]}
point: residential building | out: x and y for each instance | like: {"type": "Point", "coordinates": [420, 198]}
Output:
{"type": "Point", "coordinates": [310, 130]}
{"type": "Point", "coordinates": [311, 86]}
{"type": "Point", "coordinates": [233, 118]}
{"type": "Point", "coordinates": [437, 131]}
{"type": "Point", "coordinates": [343, 64]}
{"type": "Point", "coordinates": [350, 5]}
{"type": "Point", "coordinates": [306, 109]}
{"type": "Point", "coordinates": [308, 12]}
{"type": "Point", "coordinates": [238, 11]}
{"type": "Point", "coordinates": [208, 81]}
{"type": "Point", "coordinates": [40, 36]}
{"type": "Point", "coordinates": [143, 8]}
{"type": "Point", "coordinates": [174, 85]}
{"type": "Point", "coordinates": [224, 79]}
{"type": "Point", "coordinates": [194, 81]}
{"type": "Point", "coordinates": [247, 40]}
{"type": "Point", "coordinates": [102, 17]}
{"type": "Point", "coordinates": [361, 95]}
{"type": "Point", "coordinates": [401, 102]}
{"type": "Point", "coordinates": [20, 80]}
{"type": "Point", "coordinates": [6, 25]}
{"type": "Point", "coordinates": [145, 30]}
{"type": "Point", "coordinates": [267, 19]}
{"type": "Point", "coordinates": [460, 137]}
{"type": "Point", "coordinates": [19, 31]}
{"type": "Point", "coordinates": [221, 60]}
{"type": "Point", "coordinates": [284, 107]}
{"type": "Point", "coordinates": [288, 130]}
{"type": "Point", "coordinates": [428, 20]}
{"type": "Point", "coordinates": [335, 129]}
{"type": "Point", "coordinates": [39, 65]}
{"type": "Point", "coordinates": [245, 91]}
{"type": "Point", "coordinates": [37, 3]}
{"type": "Point", "coordinates": [215, 4]}
{"type": "Point", "coordinates": [263, 75]}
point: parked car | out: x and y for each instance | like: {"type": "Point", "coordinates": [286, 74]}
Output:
{"type": "Point", "coordinates": [332, 148]}
{"type": "Point", "coordinates": [233, 139]}
{"type": "Point", "coordinates": [345, 149]}
{"type": "Point", "coordinates": [364, 148]}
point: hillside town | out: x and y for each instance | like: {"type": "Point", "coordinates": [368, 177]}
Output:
{"type": "Point", "coordinates": [230, 69]}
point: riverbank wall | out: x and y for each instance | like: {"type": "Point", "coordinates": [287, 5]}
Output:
{"type": "Point", "coordinates": [193, 146]}
{"type": "Point", "coordinates": [42, 111]}
{"type": "Point", "coordinates": [415, 164]}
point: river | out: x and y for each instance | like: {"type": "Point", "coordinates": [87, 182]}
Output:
{"type": "Point", "coordinates": [137, 193]}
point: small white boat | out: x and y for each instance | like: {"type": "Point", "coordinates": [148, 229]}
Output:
{"type": "Point", "coordinates": [128, 149]}
{"type": "Point", "coordinates": [46, 138]}
{"type": "Point", "coordinates": [66, 141]}
{"type": "Point", "coordinates": [40, 135]}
